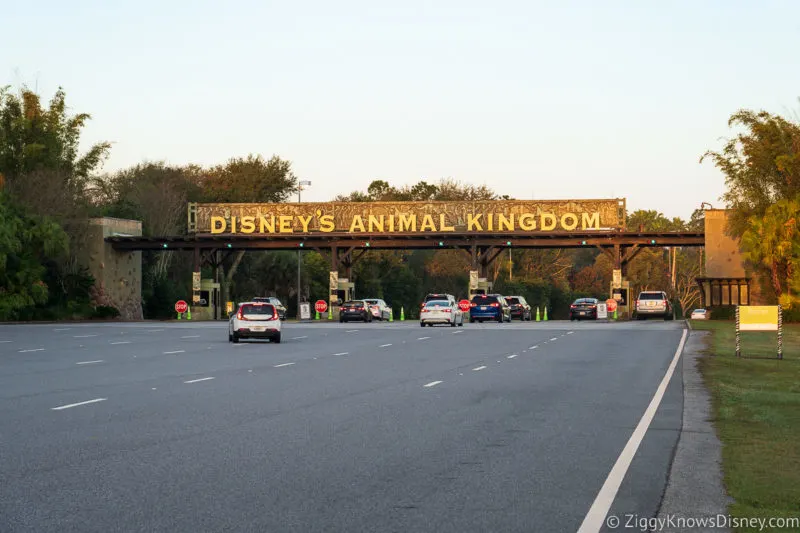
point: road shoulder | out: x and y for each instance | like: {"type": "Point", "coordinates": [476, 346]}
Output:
{"type": "Point", "coordinates": [695, 488]}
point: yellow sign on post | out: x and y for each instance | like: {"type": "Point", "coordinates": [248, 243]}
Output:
{"type": "Point", "coordinates": [758, 318]}
{"type": "Point", "coordinates": [229, 307]}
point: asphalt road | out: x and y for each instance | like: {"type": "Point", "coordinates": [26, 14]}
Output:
{"type": "Point", "coordinates": [342, 427]}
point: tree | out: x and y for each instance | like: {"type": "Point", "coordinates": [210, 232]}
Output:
{"type": "Point", "coordinates": [761, 166]}
{"type": "Point", "coordinates": [773, 242]}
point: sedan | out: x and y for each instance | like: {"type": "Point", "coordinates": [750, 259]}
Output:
{"type": "Point", "coordinates": [255, 320]}
{"type": "Point", "coordinates": [441, 312]}
{"type": "Point", "coordinates": [583, 308]}
{"type": "Point", "coordinates": [699, 314]}
{"type": "Point", "coordinates": [355, 310]}
{"type": "Point", "coordinates": [379, 309]}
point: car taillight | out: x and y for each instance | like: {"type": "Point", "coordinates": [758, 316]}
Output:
{"type": "Point", "coordinates": [573, 306]}
{"type": "Point", "coordinates": [663, 302]}
{"type": "Point", "coordinates": [239, 315]}
{"type": "Point", "coordinates": [425, 310]}
{"type": "Point", "coordinates": [447, 310]}
{"type": "Point", "coordinates": [592, 306]}
{"type": "Point", "coordinates": [275, 316]}
{"type": "Point", "coordinates": [472, 304]}
{"type": "Point", "coordinates": [637, 303]}
{"type": "Point", "coordinates": [495, 304]}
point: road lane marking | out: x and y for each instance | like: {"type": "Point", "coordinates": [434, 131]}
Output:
{"type": "Point", "coordinates": [83, 336]}
{"type": "Point", "coordinates": [423, 338]}
{"type": "Point", "coordinates": [197, 380]}
{"type": "Point", "coordinates": [570, 332]}
{"type": "Point", "coordinates": [533, 347]}
{"type": "Point", "coordinates": [62, 329]}
{"type": "Point", "coordinates": [554, 339]}
{"type": "Point", "coordinates": [69, 405]}
{"type": "Point", "coordinates": [457, 332]}
{"type": "Point", "coordinates": [190, 336]}
{"type": "Point", "coordinates": [1, 342]}
{"type": "Point", "coordinates": [298, 338]}
{"type": "Point", "coordinates": [596, 517]}
{"type": "Point", "coordinates": [342, 353]}
{"type": "Point", "coordinates": [32, 350]}
{"type": "Point", "coordinates": [90, 362]}
{"type": "Point", "coordinates": [121, 342]}
{"type": "Point", "coordinates": [351, 331]}
{"type": "Point", "coordinates": [282, 365]}
{"type": "Point", "coordinates": [478, 368]}
{"type": "Point", "coordinates": [176, 351]}
{"type": "Point", "coordinates": [432, 384]}
{"type": "Point", "coordinates": [512, 356]}
{"type": "Point", "coordinates": [154, 330]}
{"type": "Point", "coordinates": [384, 345]}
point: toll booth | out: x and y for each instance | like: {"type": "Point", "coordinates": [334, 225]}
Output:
{"type": "Point", "coordinates": [207, 305]}
{"type": "Point", "coordinates": [480, 286]}
{"type": "Point", "coordinates": [342, 291]}
{"type": "Point", "coordinates": [621, 293]}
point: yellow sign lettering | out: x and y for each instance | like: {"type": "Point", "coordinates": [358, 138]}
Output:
{"type": "Point", "coordinates": [527, 222]}
{"type": "Point", "coordinates": [358, 223]}
{"type": "Point", "coordinates": [248, 224]}
{"type": "Point", "coordinates": [305, 221]}
{"type": "Point", "coordinates": [218, 225]}
{"type": "Point", "coordinates": [443, 225]}
{"type": "Point", "coordinates": [591, 220]}
{"type": "Point", "coordinates": [285, 223]}
{"type": "Point", "coordinates": [505, 223]}
{"type": "Point", "coordinates": [376, 223]}
{"type": "Point", "coordinates": [326, 224]}
{"type": "Point", "coordinates": [391, 223]}
{"type": "Point", "coordinates": [265, 225]}
{"type": "Point", "coordinates": [407, 222]}
{"type": "Point", "coordinates": [551, 224]}
{"type": "Point", "coordinates": [233, 224]}
{"type": "Point", "coordinates": [473, 222]}
{"type": "Point", "coordinates": [427, 224]}
{"type": "Point", "coordinates": [573, 221]}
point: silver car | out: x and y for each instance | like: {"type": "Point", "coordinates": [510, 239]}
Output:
{"type": "Point", "coordinates": [653, 303]}
{"type": "Point", "coordinates": [378, 308]}
{"type": "Point", "coordinates": [441, 312]}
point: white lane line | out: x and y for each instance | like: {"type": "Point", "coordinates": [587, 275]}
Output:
{"type": "Point", "coordinates": [176, 351]}
{"type": "Point", "coordinates": [121, 342]}
{"type": "Point", "coordinates": [423, 338]}
{"type": "Point", "coordinates": [283, 364]}
{"type": "Point", "coordinates": [596, 517]}
{"type": "Point", "coordinates": [432, 384]}
{"type": "Point", "coordinates": [2, 342]}
{"type": "Point", "coordinates": [69, 405]}
{"type": "Point", "coordinates": [90, 362]}
{"type": "Point", "coordinates": [341, 353]}
{"type": "Point", "coordinates": [384, 345]}
{"type": "Point", "coordinates": [457, 332]}
{"type": "Point", "coordinates": [478, 368]}
{"type": "Point", "coordinates": [298, 338]}
{"type": "Point", "coordinates": [62, 329]}
{"type": "Point", "coordinates": [83, 336]}
{"type": "Point", "coordinates": [512, 356]}
{"type": "Point", "coordinates": [570, 332]}
{"type": "Point", "coordinates": [154, 330]}
{"type": "Point", "coordinates": [554, 339]}
{"type": "Point", "coordinates": [351, 331]}
{"type": "Point", "coordinates": [196, 380]}
{"type": "Point", "coordinates": [190, 336]}
{"type": "Point", "coordinates": [533, 347]}
{"type": "Point", "coordinates": [32, 350]}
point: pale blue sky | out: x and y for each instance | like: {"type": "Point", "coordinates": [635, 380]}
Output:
{"type": "Point", "coordinates": [572, 99]}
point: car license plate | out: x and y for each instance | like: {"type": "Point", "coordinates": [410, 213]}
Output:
{"type": "Point", "coordinates": [258, 328]}
{"type": "Point", "coordinates": [483, 308]}
{"type": "Point", "coordinates": [583, 313]}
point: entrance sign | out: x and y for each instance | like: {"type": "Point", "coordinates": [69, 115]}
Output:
{"type": "Point", "coordinates": [483, 217]}
{"type": "Point", "coordinates": [181, 306]}
{"type": "Point", "coordinates": [759, 318]}
{"type": "Point", "coordinates": [602, 310]}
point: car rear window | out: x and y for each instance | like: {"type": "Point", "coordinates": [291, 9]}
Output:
{"type": "Point", "coordinates": [484, 300]}
{"type": "Point", "coordinates": [354, 304]}
{"type": "Point", "coordinates": [440, 303]}
{"type": "Point", "coordinates": [254, 309]}
{"type": "Point", "coordinates": [651, 296]}
{"type": "Point", "coordinates": [430, 297]}
{"type": "Point", "coordinates": [512, 300]}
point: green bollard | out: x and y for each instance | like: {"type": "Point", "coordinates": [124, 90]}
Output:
{"type": "Point", "coordinates": [545, 313]}
{"type": "Point", "coordinates": [189, 313]}
{"type": "Point", "coordinates": [391, 314]}
{"type": "Point", "coordinates": [179, 316]}
{"type": "Point", "coordinates": [402, 314]}
{"type": "Point", "coordinates": [537, 315]}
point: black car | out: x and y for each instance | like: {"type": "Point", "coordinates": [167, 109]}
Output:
{"type": "Point", "coordinates": [355, 310]}
{"type": "Point", "coordinates": [519, 307]}
{"type": "Point", "coordinates": [583, 308]}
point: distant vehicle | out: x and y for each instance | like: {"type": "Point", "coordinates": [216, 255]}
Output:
{"type": "Point", "coordinates": [441, 312]}
{"type": "Point", "coordinates": [583, 308]}
{"type": "Point", "coordinates": [519, 307]}
{"type": "Point", "coordinates": [430, 297]}
{"type": "Point", "coordinates": [274, 301]}
{"type": "Point", "coordinates": [355, 310]}
{"type": "Point", "coordinates": [489, 307]}
{"type": "Point", "coordinates": [653, 303]}
{"type": "Point", "coordinates": [254, 320]}
{"type": "Point", "coordinates": [699, 314]}
{"type": "Point", "coordinates": [378, 308]}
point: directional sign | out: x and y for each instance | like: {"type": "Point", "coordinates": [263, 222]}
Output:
{"type": "Point", "coordinates": [611, 304]}
{"type": "Point", "coordinates": [464, 305]}
{"type": "Point", "coordinates": [321, 306]}
{"type": "Point", "coordinates": [181, 306]}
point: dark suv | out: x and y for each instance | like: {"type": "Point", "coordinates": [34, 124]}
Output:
{"type": "Point", "coordinates": [355, 310]}
{"type": "Point", "coordinates": [519, 307]}
{"type": "Point", "coordinates": [489, 307]}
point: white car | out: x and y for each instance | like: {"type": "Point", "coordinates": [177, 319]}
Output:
{"type": "Point", "coordinates": [255, 320]}
{"type": "Point", "coordinates": [441, 312]}
{"type": "Point", "coordinates": [699, 314]}
{"type": "Point", "coordinates": [378, 308]}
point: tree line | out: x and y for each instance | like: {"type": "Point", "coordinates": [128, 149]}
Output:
{"type": "Point", "coordinates": [49, 190]}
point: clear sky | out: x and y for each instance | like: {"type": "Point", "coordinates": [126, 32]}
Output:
{"type": "Point", "coordinates": [545, 100]}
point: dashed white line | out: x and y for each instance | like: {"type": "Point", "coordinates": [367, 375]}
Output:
{"type": "Point", "coordinates": [298, 338]}
{"type": "Point", "coordinates": [342, 353]}
{"type": "Point", "coordinates": [478, 368]}
{"type": "Point", "coordinates": [554, 339]}
{"type": "Point", "coordinates": [351, 331]}
{"type": "Point", "coordinates": [83, 336]}
{"type": "Point", "coordinates": [283, 364]}
{"type": "Point", "coordinates": [533, 347]}
{"type": "Point", "coordinates": [175, 351]}
{"type": "Point", "coordinates": [154, 330]}
{"type": "Point", "coordinates": [384, 345]}
{"type": "Point", "coordinates": [90, 362]}
{"type": "Point", "coordinates": [457, 332]}
{"type": "Point", "coordinates": [423, 338]}
{"type": "Point", "coordinates": [570, 332]}
{"type": "Point", "coordinates": [512, 356]}
{"type": "Point", "coordinates": [62, 329]}
{"type": "Point", "coordinates": [197, 380]}
{"type": "Point", "coordinates": [77, 404]}
{"type": "Point", "coordinates": [121, 342]}
{"type": "Point", "coordinates": [32, 350]}
{"type": "Point", "coordinates": [3, 342]}
{"type": "Point", "coordinates": [432, 384]}
{"type": "Point", "coordinates": [190, 336]}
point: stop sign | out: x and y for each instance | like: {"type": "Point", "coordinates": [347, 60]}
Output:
{"type": "Point", "coordinates": [464, 305]}
{"type": "Point", "coordinates": [181, 306]}
{"type": "Point", "coordinates": [320, 306]}
{"type": "Point", "coordinates": [611, 304]}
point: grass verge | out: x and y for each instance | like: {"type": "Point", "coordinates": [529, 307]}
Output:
{"type": "Point", "coordinates": [756, 406]}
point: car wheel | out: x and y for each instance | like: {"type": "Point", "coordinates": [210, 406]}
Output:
{"type": "Point", "coordinates": [421, 324]}
{"type": "Point", "coordinates": [453, 323]}
{"type": "Point", "coordinates": [230, 337]}
{"type": "Point", "coordinates": [277, 339]}
{"type": "Point", "coordinates": [235, 338]}
{"type": "Point", "coordinates": [471, 320]}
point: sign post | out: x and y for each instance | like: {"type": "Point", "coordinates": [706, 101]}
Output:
{"type": "Point", "coordinates": [320, 306]}
{"type": "Point", "coordinates": [759, 318]}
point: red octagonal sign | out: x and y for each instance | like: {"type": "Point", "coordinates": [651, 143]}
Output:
{"type": "Point", "coordinates": [464, 305]}
{"type": "Point", "coordinates": [320, 306]}
{"type": "Point", "coordinates": [181, 306]}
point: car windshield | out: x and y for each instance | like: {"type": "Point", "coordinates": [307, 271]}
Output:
{"type": "Point", "coordinates": [439, 303]}
{"type": "Point", "coordinates": [651, 296]}
{"type": "Point", "coordinates": [484, 300]}
{"type": "Point", "coordinates": [257, 309]}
